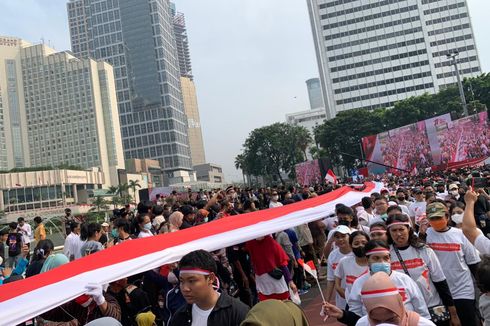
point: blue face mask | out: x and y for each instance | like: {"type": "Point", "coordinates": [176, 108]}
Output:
{"type": "Point", "coordinates": [114, 233]}
{"type": "Point", "coordinates": [147, 226]}
{"type": "Point", "coordinates": [380, 267]}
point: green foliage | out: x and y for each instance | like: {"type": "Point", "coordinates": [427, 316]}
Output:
{"type": "Point", "coordinates": [343, 133]}
{"type": "Point", "coordinates": [272, 149]}
{"type": "Point", "coordinates": [99, 204]}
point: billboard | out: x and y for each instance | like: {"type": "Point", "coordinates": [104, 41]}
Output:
{"type": "Point", "coordinates": [308, 173]}
{"type": "Point", "coordinates": [428, 143]}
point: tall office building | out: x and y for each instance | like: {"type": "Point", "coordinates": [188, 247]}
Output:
{"type": "Point", "coordinates": [189, 95]}
{"type": "Point", "coordinates": [57, 109]}
{"type": "Point", "coordinates": [373, 53]}
{"type": "Point", "coordinates": [315, 93]}
{"type": "Point", "coordinates": [137, 38]}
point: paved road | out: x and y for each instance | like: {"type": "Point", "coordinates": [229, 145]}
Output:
{"type": "Point", "coordinates": [311, 304]}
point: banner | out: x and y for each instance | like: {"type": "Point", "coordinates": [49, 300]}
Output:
{"type": "Point", "coordinates": [430, 143]}
{"type": "Point", "coordinates": [25, 299]}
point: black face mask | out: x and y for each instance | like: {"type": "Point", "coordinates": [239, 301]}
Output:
{"type": "Point", "coordinates": [359, 252]}
{"type": "Point", "coordinates": [401, 198]}
{"type": "Point", "coordinates": [344, 222]}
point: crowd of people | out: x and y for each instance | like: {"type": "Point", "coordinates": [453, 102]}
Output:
{"type": "Point", "coordinates": [465, 140]}
{"type": "Point", "coordinates": [407, 149]}
{"type": "Point", "coordinates": [413, 254]}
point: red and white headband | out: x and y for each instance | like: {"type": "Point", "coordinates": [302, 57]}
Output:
{"type": "Point", "coordinates": [377, 229]}
{"type": "Point", "coordinates": [195, 271]}
{"type": "Point", "coordinates": [377, 250]}
{"type": "Point", "coordinates": [398, 223]}
{"type": "Point", "coordinates": [379, 293]}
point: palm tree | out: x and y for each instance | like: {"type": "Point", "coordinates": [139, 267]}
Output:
{"type": "Point", "coordinates": [99, 204]}
{"type": "Point", "coordinates": [113, 190]}
{"type": "Point", "coordinates": [122, 189]}
{"type": "Point", "coordinates": [240, 164]}
{"type": "Point", "coordinates": [133, 184]}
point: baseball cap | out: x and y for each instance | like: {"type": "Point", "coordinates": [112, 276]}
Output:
{"type": "Point", "coordinates": [417, 191]}
{"type": "Point", "coordinates": [342, 229]}
{"type": "Point", "coordinates": [105, 224]}
{"type": "Point", "coordinates": [436, 209]}
{"type": "Point", "coordinates": [453, 186]}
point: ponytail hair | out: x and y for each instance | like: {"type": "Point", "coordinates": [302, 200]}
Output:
{"type": "Point", "coordinates": [88, 230]}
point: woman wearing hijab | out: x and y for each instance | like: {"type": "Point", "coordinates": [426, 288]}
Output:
{"type": "Point", "coordinates": [175, 221]}
{"type": "Point", "coordinates": [270, 264]}
{"type": "Point", "coordinates": [384, 304]}
{"type": "Point", "coordinates": [275, 313]}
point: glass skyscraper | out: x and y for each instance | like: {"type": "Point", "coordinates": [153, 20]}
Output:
{"type": "Point", "coordinates": [137, 38]}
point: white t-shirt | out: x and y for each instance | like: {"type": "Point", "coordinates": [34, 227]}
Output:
{"type": "Point", "coordinates": [412, 298]}
{"type": "Point", "coordinates": [144, 234]}
{"type": "Point", "coordinates": [482, 244]}
{"type": "Point", "coordinates": [417, 209]}
{"type": "Point", "coordinates": [73, 246]}
{"type": "Point", "coordinates": [272, 204]}
{"type": "Point", "coordinates": [348, 271]}
{"type": "Point", "coordinates": [268, 285]}
{"type": "Point", "coordinates": [424, 269]}
{"type": "Point", "coordinates": [199, 316]}
{"type": "Point", "coordinates": [363, 216]}
{"type": "Point", "coordinates": [26, 233]}
{"type": "Point", "coordinates": [455, 253]}
{"type": "Point", "coordinates": [364, 321]}
{"type": "Point", "coordinates": [332, 263]}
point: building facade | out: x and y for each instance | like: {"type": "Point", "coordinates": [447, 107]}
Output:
{"type": "Point", "coordinates": [209, 172]}
{"type": "Point", "coordinates": [189, 95]}
{"type": "Point", "coordinates": [57, 110]}
{"type": "Point", "coordinates": [373, 53]}
{"type": "Point", "coordinates": [315, 93]}
{"type": "Point", "coordinates": [137, 38]}
{"type": "Point", "coordinates": [194, 131]}
{"type": "Point", "coordinates": [48, 189]}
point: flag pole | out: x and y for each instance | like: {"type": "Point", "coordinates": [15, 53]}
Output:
{"type": "Point", "coordinates": [320, 289]}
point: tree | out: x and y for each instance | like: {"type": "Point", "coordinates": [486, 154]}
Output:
{"type": "Point", "coordinates": [270, 150]}
{"type": "Point", "coordinates": [122, 189]}
{"type": "Point", "coordinates": [113, 190]}
{"type": "Point", "coordinates": [98, 204]}
{"type": "Point", "coordinates": [133, 184]}
{"type": "Point", "coordinates": [342, 134]}
{"type": "Point", "coordinates": [240, 165]}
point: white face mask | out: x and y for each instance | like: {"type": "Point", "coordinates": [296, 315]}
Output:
{"type": "Point", "coordinates": [457, 218]}
{"type": "Point", "coordinates": [454, 192]}
{"type": "Point", "coordinates": [275, 198]}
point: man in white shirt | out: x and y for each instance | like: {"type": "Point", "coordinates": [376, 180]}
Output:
{"type": "Point", "coordinates": [73, 244]}
{"type": "Point", "coordinates": [365, 211]}
{"type": "Point", "coordinates": [417, 209]}
{"type": "Point", "coordinates": [205, 305]}
{"type": "Point", "coordinates": [275, 200]}
{"type": "Point", "coordinates": [26, 231]}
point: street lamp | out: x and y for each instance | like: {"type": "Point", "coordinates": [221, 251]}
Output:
{"type": "Point", "coordinates": [454, 61]}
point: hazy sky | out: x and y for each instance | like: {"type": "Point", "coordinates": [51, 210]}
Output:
{"type": "Point", "coordinates": [250, 59]}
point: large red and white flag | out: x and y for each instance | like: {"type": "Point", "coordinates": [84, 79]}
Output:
{"type": "Point", "coordinates": [309, 267]}
{"type": "Point", "coordinates": [25, 299]}
{"type": "Point", "coordinates": [331, 177]}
